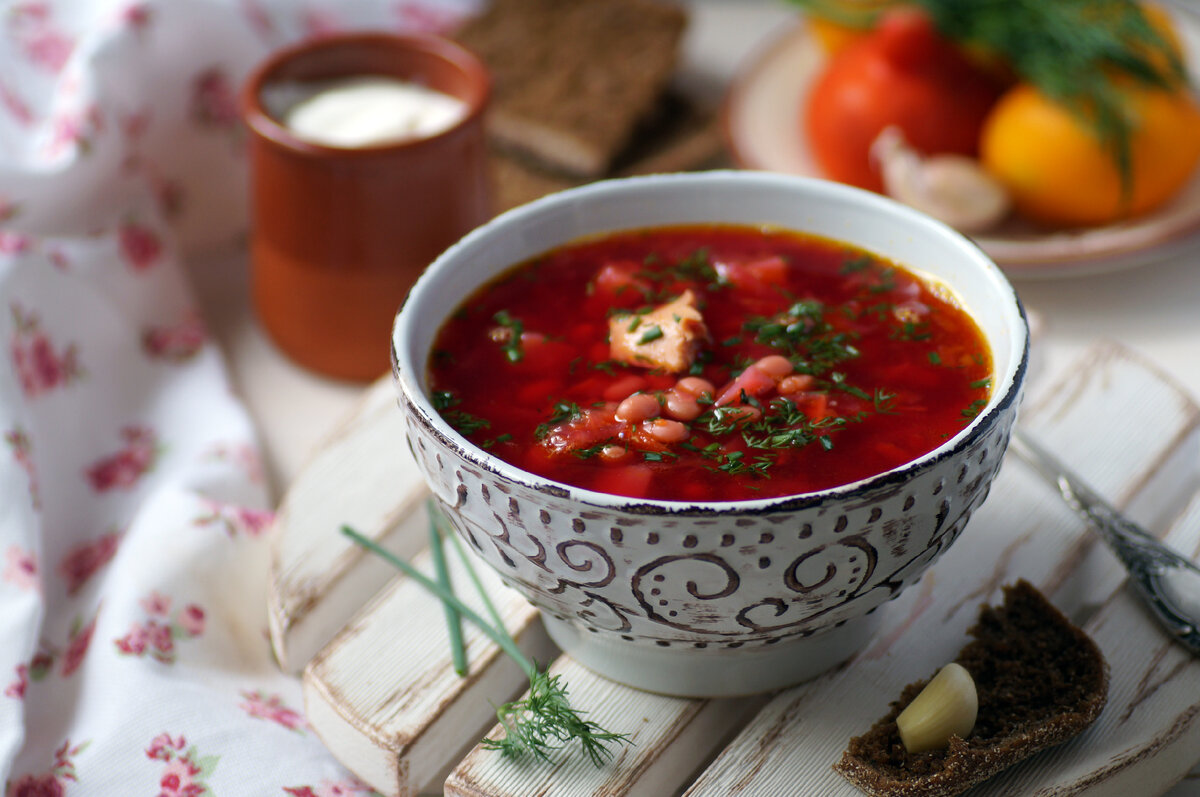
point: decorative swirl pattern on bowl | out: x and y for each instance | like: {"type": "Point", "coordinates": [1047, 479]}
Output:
{"type": "Point", "coordinates": [685, 576]}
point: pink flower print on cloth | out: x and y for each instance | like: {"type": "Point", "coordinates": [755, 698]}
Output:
{"type": "Point", "coordinates": [32, 27]}
{"type": "Point", "coordinates": [125, 468]}
{"type": "Point", "coordinates": [244, 455]}
{"type": "Point", "coordinates": [22, 452]}
{"type": "Point", "coordinates": [157, 635]}
{"type": "Point", "coordinates": [176, 343]}
{"type": "Point", "coordinates": [40, 366]}
{"type": "Point", "coordinates": [329, 788]}
{"type": "Point", "coordinates": [270, 707]}
{"type": "Point", "coordinates": [9, 210]}
{"type": "Point", "coordinates": [186, 770]}
{"type": "Point", "coordinates": [77, 646]}
{"type": "Point", "coordinates": [36, 670]}
{"type": "Point", "coordinates": [21, 568]}
{"type": "Point", "coordinates": [136, 16]}
{"type": "Point", "coordinates": [74, 129]}
{"type": "Point", "coordinates": [319, 22]}
{"type": "Point", "coordinates": [18, 687]}
{"type": "Point", "coordinates": [140, 246]}
{"type": "Point", "coordinates": [49, 784]}
{"type": "Point", "coordinates": [426, 17]}
{"type": "Point", "coordinates": [14, 243]}
{"type": "Point", "coordinates": [84, 560]}
{"type": "Point", "coordinates": [214, 100]}
{"type": "Point", "coordinates": [235, 520]}
{"type": "Point", "coordinates": [15, 107]}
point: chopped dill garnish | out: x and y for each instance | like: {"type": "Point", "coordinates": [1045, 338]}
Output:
{"type": "Point", "coordinates": [562, 411]}
{"type": "Point", "coordinates": [884, 402]}
{"type": "Point", "coordinates": [653, 333]}
{"type": "Point", "coordinates": [443, 399]}
{"type": "Point", "coordinates": [465, 423]}
{"type": "Point", "coordinates": [855, 264]}
{"type": "Point", "coordinates": [510, 343]}
{"type": "Point", "coordinates": [974, 407]}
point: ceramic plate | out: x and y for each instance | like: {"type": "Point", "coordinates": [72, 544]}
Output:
{"type": "Point", "coordinates": [763, 119]}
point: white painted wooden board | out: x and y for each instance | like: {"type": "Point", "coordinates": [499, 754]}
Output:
{"type": "Point", "coordinates": [383, 694]}
{"type": "Point", "coordinates": [1132, 433]}
{"type": "Point", "coordinates": [364, 476]}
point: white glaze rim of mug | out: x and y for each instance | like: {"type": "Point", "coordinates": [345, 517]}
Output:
{"type": "Point", "coordinates": [536, 227]}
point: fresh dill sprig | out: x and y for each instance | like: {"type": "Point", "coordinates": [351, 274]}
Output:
{"type": "Point", "coordinates": [544, 720]}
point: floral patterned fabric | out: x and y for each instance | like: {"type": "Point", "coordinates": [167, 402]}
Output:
{"type": "Point", "coordinates": [134, 518]}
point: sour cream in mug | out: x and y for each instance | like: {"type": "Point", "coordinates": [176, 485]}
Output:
{"type": "Point", "coordinates": [371, 111]}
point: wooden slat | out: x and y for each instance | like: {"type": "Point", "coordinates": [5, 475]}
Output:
{"type": "Point", "coordinates": [671, 739]}
{"type": "Point", "coordinates": [1118, 422]}
{"type": "Point", "coordinates": [384, 697]}
{"type": "Point", "coordinates": [364, 476]}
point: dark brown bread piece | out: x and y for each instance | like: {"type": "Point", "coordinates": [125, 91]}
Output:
{"type": "Point", "coordinates": [1041, 680]}
{"type": "Point", "coordinates": [573, 78]}
{"type": "Point", "coordinates": [680, 135]}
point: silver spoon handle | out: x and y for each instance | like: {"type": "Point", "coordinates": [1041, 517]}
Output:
{"type": "Point", "coordinates": [1168, 582]}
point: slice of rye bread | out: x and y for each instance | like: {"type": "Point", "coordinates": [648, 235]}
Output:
{"type": "Point", "coordinates": [1040, 679]}
{"type": "Point", "coordinates": [679, 136]}
{"type": "Point", "coordinates": [573, 78]}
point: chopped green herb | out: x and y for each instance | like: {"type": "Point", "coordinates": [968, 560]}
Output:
{"type": "Point", "coordinates": [855, 264]}
{"type": "Point", "coordinates": [974, 407]}
{"type": "Point", "coordinates": [510, 342]}
{"type": "Point", "coordinates": [652, 334]}
{"type": "Point", "coordinates": [591, 451]}
{"type": "Point", "coordinates": [980, 383]}
{"type": "Point", "coordinates": [443, 399]}
{"type": "Point", "coordinates": [734, 463]}
{"type": "Point", "coordinates": [465, 423]}
{"type": "Point", "coordinates": [912, 331]}
{"type": "Point", "coordinates": [935, 358]}
{"type": "Point", "coordinates": [884, 402]}
{"type": "Point", "coordinates": [562, 411]}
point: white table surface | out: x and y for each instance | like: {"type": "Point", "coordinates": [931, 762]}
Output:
{"type": "Point", "coordinates": [1153, 309]}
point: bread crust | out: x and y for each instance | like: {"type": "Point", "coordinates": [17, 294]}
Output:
{"type": "Point", "coordinates": [573, 78]}
{"type": "Point", "coordinates": [1041, 681]}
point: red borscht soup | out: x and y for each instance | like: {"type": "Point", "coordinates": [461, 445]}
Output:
{"type": "Point", "coordinates": [709, 363]}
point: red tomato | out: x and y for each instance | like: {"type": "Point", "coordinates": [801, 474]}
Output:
{"type": "Point", "coordinates": [903, 74]}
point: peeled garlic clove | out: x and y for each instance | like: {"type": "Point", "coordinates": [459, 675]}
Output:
{"type": "Point", "coordinates": [947, 706]}
{"type": "Point", "coordinates": [952, 188]}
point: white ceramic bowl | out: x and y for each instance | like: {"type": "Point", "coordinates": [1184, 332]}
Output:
{"type": "Point", "coordinates": [717, 598]}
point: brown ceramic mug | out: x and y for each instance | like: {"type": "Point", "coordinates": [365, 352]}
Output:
{"type": "Point", "coordinates": [340, 234]}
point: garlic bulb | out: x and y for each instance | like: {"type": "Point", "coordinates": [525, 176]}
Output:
{"type": "Point", "coordinates": [952, 188]}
